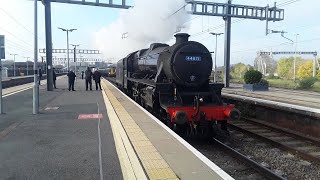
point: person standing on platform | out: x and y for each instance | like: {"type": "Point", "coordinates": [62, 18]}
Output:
{"type": "Point", "coordinates": [88, 76]}
{"type": "Point", "coordinates": [71, 77]}
{"type": "Point", "coordinates": [40, 76]}
{"type": "Point", "coordinates": [82, 74]}
{"type": "Point", "coordinates": [54, 78]}
{"type": "Point", "coordinates": [97, 79]}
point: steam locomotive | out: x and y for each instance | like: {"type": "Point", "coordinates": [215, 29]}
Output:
{"type": "Point", "coordinates": [173, 82]}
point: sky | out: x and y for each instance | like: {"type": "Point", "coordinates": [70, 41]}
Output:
{"type": "Point", "coordinates": [151, 21]}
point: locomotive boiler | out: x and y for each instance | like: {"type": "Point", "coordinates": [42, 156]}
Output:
{"type": "Point", "coordinates": [173, 83]}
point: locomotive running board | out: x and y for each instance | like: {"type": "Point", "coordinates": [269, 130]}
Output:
{"type": "Point", "coordinates": [143, 81]}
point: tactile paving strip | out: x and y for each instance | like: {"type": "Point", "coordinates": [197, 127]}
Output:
{"type": "Point", "coordinates": [153, 163]}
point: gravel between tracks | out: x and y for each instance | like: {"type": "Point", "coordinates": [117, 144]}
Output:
{"type": "Point", "coordinates": [285, 164]}
{"type": "Point", "coordinates": [279, 161]}
{"type": "Point", "coordinates": [230, 165]}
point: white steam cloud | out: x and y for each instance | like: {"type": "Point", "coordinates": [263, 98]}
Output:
{"type": "Point", "coordinates": [147, 22]}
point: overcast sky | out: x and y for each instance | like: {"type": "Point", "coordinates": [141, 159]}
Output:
{"type": "Point", "coordinates": [248, 36]}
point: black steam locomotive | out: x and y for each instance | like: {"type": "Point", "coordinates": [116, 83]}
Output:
{"type": "Point", "coordinates": [173, 82]}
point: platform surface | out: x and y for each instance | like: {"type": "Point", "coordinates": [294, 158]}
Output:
{"type": "Point", "coordinates": [55, 144]}
{"type": "Point", "coordinates": [291, 99]}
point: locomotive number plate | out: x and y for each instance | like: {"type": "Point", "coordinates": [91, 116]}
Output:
{"type": "Point", "coordinates": [193, 58]}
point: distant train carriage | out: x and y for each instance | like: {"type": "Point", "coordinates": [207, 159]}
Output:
{"type": "Point", "coordinates": [108, 72]}
{"type": "Point", "coordinates": [112, 72]}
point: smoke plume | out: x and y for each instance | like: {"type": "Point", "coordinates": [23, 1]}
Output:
{"type": "Point", "coordinates": [147, 22]}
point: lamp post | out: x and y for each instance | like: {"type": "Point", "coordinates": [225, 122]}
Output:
{"type": "Point", "coordinates": [14, 64]}
{"type": "Point", "coordinates": [35, 103]}
{"type": "Point", "coordinates": [67, 30]}
{"type": "Point", "coordinates": [74, 56]}
{"type": "Point", "coordinates": [215, 58]}
{"type": "Point", "coordinates": [27, 65]}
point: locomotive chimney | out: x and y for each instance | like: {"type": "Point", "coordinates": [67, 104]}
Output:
{"type": "Point", "coordinates": [182, 38]}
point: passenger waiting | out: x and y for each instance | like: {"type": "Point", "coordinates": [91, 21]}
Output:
{"type": "Point", "coordinates": [88, 77]}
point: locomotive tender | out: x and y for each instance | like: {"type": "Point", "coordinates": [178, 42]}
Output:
{"type": "Point", "coordinates": [173, 82]}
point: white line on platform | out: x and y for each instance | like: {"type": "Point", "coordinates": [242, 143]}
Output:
{"type": "Point", "coordinates": [30, 86]}
{"type": "Point", "coordinates": [15, 92]}
{"type": "Point", "coordinates": [99, 137]}
{"type": "Point", "coordinates": [204, 159]}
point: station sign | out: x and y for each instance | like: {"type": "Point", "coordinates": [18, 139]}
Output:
{"type": "Point", "coordinates": [2, 50]}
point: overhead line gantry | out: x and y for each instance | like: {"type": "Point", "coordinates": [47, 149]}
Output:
{"type": "Point", "coordinates": [228, 11]}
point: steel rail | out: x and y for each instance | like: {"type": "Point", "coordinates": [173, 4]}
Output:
{"type": "Point", "coordinates": [279, 144]}
{"type": "Point", "coordinates": [254, 165]}
{"type": "Point", "coordinates": [297, 135]}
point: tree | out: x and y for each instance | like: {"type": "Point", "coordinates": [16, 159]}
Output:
{"type": "Point", "coordinates": [238, 70]}
{"type": "Point", "coordinates": [305, 70]}
{"type": "Point", "coordinates": [285, 66]}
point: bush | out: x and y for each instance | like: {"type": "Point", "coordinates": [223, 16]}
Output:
{"type": "Point", "coordinates": [252, 77]}
{"type": "Point", "coordinates": [281, 83]}
{"type": "Point", "coordinates": [263, 82]}
{"type": "Point", "coordinates": [307, 83]}
{"type": "Point", "coordinates": [272, 76]}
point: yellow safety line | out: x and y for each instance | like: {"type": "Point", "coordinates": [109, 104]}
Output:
{"type": "Point", "coordinates": [153, 163]}
{"type": "Point", "coordinates": [129, 162]}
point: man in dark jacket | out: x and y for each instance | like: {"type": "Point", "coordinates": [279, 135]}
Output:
{"type": "Point", "coordinates": [71, 77]}
{"type": "Point", "coordinates": [88, 77]}
{"type": "Point", "coordinates": [54, 78]}
{"type": "Point", "coordinates": [40, 76]}
{"type": "Point", "coordinates": [82, 74]}
{"type": "Point", "coordinates": [97, 79]}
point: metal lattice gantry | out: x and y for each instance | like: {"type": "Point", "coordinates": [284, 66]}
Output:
{"type": "Point", "coordinates": [71, 51]}
{"type": "Point", "coordinates": [229, 11]}
{"type": "Point", "coordinates": [110, 3]}
{"type": "Point", "coordinates": [81, 59]}
{"type": "Point", "coordinates": [314, 53]}
{"type": "Point", "coordinates": [237, 11]}
{"type": "Point", "coordinates": [91, 60]}
{"type": "Point", "coordinates": [63, 61]}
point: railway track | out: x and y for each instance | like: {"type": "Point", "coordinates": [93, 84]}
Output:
{"type": "Point", "coordinates": [307, 148]}
{"type": "Point", "coordinates": [238, 165]}
{"type": "Point", "coordinates": [264, 172]}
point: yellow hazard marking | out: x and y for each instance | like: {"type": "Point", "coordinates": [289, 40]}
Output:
{"type": "Point", "coordinates": [129, 162]}
{"type": "Point", "coordinates": [153, 163]}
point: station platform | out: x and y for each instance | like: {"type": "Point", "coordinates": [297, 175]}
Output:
{"type": "Point", "coordinates": [297, 101]}
{"type": "Point", "coordinates": [92, 135]}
